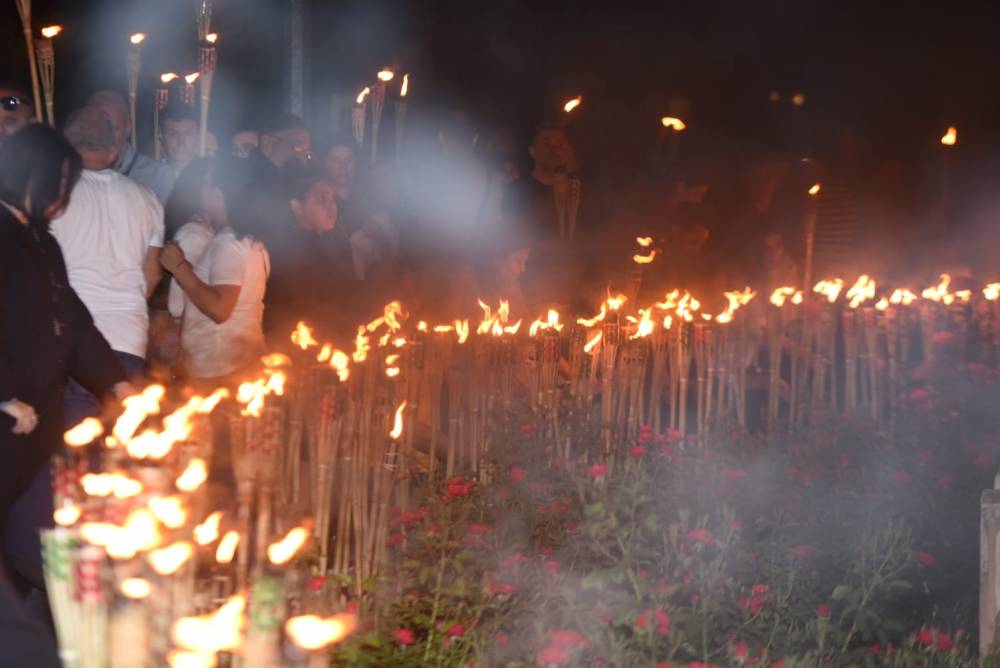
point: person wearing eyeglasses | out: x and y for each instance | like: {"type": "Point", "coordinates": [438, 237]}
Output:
{"type": "Point", "coordinates": [16, 110]}
{"type": "Point", "coordinates": [285, 138]}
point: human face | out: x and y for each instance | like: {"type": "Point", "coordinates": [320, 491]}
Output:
{"type": "Point", "coordinates": [181, 141]}
{"type": "Point", "coordinates": [317, 211]}
{"type": "Point", "coordinates": [244, 142]}
{"type": "Point", "coordinates": [341, 166]}
{"type": "Point", "coordinates": [20, 115]}
{"type": "Point", "coordinates": [284, 145]}
{"type": "Point", "coordinates": [552, 151]}
{"type": "Point", "coordinates": [512, 266]}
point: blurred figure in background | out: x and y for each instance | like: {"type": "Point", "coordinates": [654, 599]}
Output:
{"type": "Point", "coordinates": [16, 110]}
{"type": "Point", "coordinates": [285, 138]}
{"type": "Point", "coordinates": [244, 142]}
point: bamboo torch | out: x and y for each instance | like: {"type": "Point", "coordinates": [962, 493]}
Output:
{"type": "Point", "coordinates": [189, 83]}
{"type": "Point", "coordinates": [206, 68]}
{"type": "Point", "coordinates": [134, 63]}
{"type": "Point", "coordinates": [401, 108]}
{"type": "Point", "coordinates": [46, 69]}
{"type": "Point", "coordinates": [809, 223]}
{"type": "Point", "coordinates": [358, 115]}
{"type": "Point", "coordinates": [159, 104]}
{"type": "Point", "coordinates": [24, 9]}
{"type": "Point", "coordinates": [378, 100]}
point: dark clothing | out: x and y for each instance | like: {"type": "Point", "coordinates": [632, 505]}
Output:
{"type": "Point", "coordinates": [46, 335]}
{"type": "Point", "coordinates": [532, 205]}
{"type": "Point", "coordinates": [24, 642]}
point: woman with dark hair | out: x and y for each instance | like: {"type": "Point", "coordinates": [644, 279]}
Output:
{"type": "Point", "coordinates": [221, 331]}
{"type": "Point", "coordinates": [46, 333]}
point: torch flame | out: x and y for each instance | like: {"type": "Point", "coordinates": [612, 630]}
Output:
{"type": "Point", "coordinates": [169, 510]}
{"type": "Point", "coordinates": [312, 633]}
{"type": "Point", "coordinates": [644, 259]}
{"type": "Point", "coordinates": [551, 322]}
{"type": "Point", "coordinates": [138, 407]}
{"type": "Point", "coordinates": [798, 99]}
{"type": "Point", "coordinates": [829, 288]}
{"type": "Point", "coordinates": [862, 290]}
{"type": "Point", "coordinates": [208, 531]}
{"type": "Point", "coordinates": [939, 293]}
{"type": "Point", "coordinates": [193, 476]}
{"type": "Point", "coordinates": [590, 322]}
{"type": "Point", "coordinates": [340, 362]}
{"type": "Point", "coordinates": [779, 295]}
{"type": "Point", "coordinates": [397, 425]}
{"type": "Point", "coordinates": [136, 588]}
{"type": "Point", "coordinates": [645, 242]}
{"type": "Point", "coordinates": [282, 552]}
{"type": "Point", "coordinates": [616, 302]}
{"type": "Point", "coordinates": [218, 631]}
{"type": "Point", "coordinates": [590, 345]}
{"type": "Point", "coordinates": [573, 103]}
{"type": "Point", "coordinates": [406, 86]}
{"type": "Point", "coordinates": [106, 484]}
{"type": "Point", "coordinates": [673, 123]}
{"type": "Point", "coordinates": [49, 32]}
{"type": "Point", "coordinates": [83, 433]}
{"type": "Point", "coordinates": [385, 75]}
{"type": "Point", "coordinates": [180, 659]}
{"type": "Point", "coordinates": [167, 77]}
{"type": "Point", "coordinates": [363, 94]}
{"type": "Point", "coordinates": [303, 336]}
{"type": "Point", "coordinates": [167, 560]}
{"type": "Point", "coordinates": [950, 137]}
{"type": "Point", "coordinates": [882, 304]}
{"type": "Point", "coordinates": [67, 515]}
{"type": "Point", "coordinates": [211, 37]}
{"type": "Point", "coordinates": [137, 38]}
{"type": "Point", "coordinates": [992, 292]}
{"type": "Point", "coordinates": [462, 330]}
{"type": "Point", "coordinates": [252, 393]}
{"type": "Point", "coordinates": [139, 534]}
{"type": "Point", "coordinates": [191, 78]}
{"type": "Point", "coordinates": [362, 344]}
{"type": "Point", "coordinates": [814, 190]}
{"type": "Point", "coordinates": [644, 324]}
{"type": "Point", "coordinates": [902, 296]}
{"type": "Point", "coordinates": [227, 547]}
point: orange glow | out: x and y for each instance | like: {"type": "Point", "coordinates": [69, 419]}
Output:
{"type": "Point", "coordinates": [573, 103]}
{"type": "Point", "coordinates": [312, 633]}
{"type": "Point", "coordinates": [882, 304]}
{"type": "Point", "coordinates": [363, 95]}
{"type": "Point", "coordinates": [644, 324]}
{"type": "Point", "coordinates": [167, 560]}
{"type": "Point", "coordinates": [219, 631]}
{"type": "Point", "coordinates": [83, 433]}
{"type": "Point", "coordinates": [136, 588]}
{"type": "Point", "coordinates": [397, 425]}
{"type": "Point", "coordinates": [669, 300]}
{"type": "Point", "coordinates": [362, 344]}
{"type": "Point", "coordinates": [963, 296]}
{"type": "Point", "coordinates": [137, 38]}
{"type": "Point", "coordinates": [106, 484]}
{"type": "Point", "coordinates": [180, 659]}
{"type": "Point", "coordinates": [592, 343]}
{"type": "Point", "coordinates": [169, 510]}
{"type": "Point", "coordinates": [67, 515]}
{"type": "Point", "coordinates": [590, 322]}
{"type": "Point", "coordinates": [392, 372]}
{"type": "Point", "coordinates": [798, 99]}
{"type": "Point", "coordinates": [939, 292]}
{"type": "Point", "coordinates": [212, 38]}
{"type": "Point", "coordinates": [645, 242]}
{"type": "Point", "coordinates": [950, 137]}
{"type": "Point", "coordinates": [252, 393]}
{"type": "Point", "coordinates": [774, 96]}
{"type": "Point", "coordinates": [737, 300]}
{"type": "Point", "coordinates": [208, 531]}
{"type": "Point", "coordinates": [992, 292]}
{"type": "Point", "coordinates": [616, 302]}
{"type": "Point", "coordinates": [422, 326]}
{"type": "Point", "coordinates": [176, 427]}
{"type": "Point", "coordinates": [462, 330]}
{"type": "Point", "coordinates": [324, 353]}
{"type": "Point", "coordinates": [275, 360]}
{"type": "Point", "coordinates": [814, 190]}
{"type": "Point", "coordinates": [406, 86]}
{"type": "Point", "coordinates": [644, 259]}
{"type": "Point", "coordinates": [551, 322]}
{"type": "Point", "coordinates": [139, 534]}
{"type": "Point", "coordinates": [673, 123]}
{"type": "Point", "coordinates": [385, 76]}
{"type": "Point", "coordinates": [780, 295]}
{"type": "Point", "coordinates": [193, 476]}
{"type": "Point", "coordinates": [829, 288]}
{"type": "Point", "coordinates": [282, 552]}
{"type": "Point", "coordinates": [862, 290]}
{"type": "Point", "coordinates": [49, 32]}
{"type": "Point", "coordinates": [902, 296]}
{"type": "Point", "coordinates": [303, 336]}
{"type": "Point", "coordinates": [138, 407]}
{"type": "Point", "coordinates": [227, 547]}
{"type": "Point", "coordinates": [191, 78]}
{"type": "Point", "coordinates": [686, 306]}
{"type": "Point", "coordinates": [340, 362]}
{"type": "Point", "coordinates": [668, 322]}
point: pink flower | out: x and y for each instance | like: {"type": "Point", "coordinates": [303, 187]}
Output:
{"type": "Point", "coordinates": [701, 536]}
{"type": "Point", "coordinates": [598, 471]}
{"type": "Point", "coordinates": [552, 567]}
{"type": "Point", "coordinates": [317, 583]}
{"type": "Point", "coordinates": [553, 655]}
{"type": "Point", "coordinates": [935, 638]}
{"type": "Point", "coordinates": [802, 551]}
{"type": "Point", "coordinates": [455, 631]}
{"type": "Point", "coordinates": [518, 474]}
{"type": "Point", "coordinates": [403, 636]}
{"type": "Point", "coordinates": [823, 610]}
{"type": "Point", "coordinates": [926, 559]}
{"type": "Point", "coordinates": [638, 452]}
{"type": "Point", "coordinates": [458, 487]}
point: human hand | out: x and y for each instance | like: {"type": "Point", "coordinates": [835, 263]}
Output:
{"type": "Point", "coordinates": [25, 418]}
{"type": "Point", "coordinates": [172, 257]}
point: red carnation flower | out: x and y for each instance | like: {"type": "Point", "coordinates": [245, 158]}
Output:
{"type": "Point", "coordinates": [403, 636]}
{"type": "Point", "coordinates": [638, 452]}
{"type": "Point", "coordinates": [823, 610]}
{"type": "Point", "coordinates": [598, 471]}
{"type": "Point", "coordinates": [518, 474]}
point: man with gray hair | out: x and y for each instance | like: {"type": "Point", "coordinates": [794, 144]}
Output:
{"type": "Point", "coordinates": [155, 175]}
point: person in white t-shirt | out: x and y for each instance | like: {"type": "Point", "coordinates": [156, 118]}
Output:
{"type": "Point", "coordinates": [111, 236]}
{"type": "Point", "coordinates": [222, 329]}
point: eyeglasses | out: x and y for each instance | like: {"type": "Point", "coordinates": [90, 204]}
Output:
{"type": "Point", "coordinates": [12, 102]}
{"type": "Point", "coordinates": [300, 150]}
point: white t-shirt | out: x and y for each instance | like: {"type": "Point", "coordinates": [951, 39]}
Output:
{"type": "Point", "coordinates": [212, 349]}
{"type": "Point", "coordinates": [105, 234]}
{"type": "Point", "coordinates": [193, 238]}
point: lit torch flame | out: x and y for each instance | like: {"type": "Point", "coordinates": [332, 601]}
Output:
{"type": "Point", "coordinates": [138, 407]}
{"type": "Point", "coordinates": [215, 632]}
{"type": "Point", "coordinates": [644, 259]}
{"type": "Point", "coordinates": [303, 336]}
{"type": "Point", "coordinates": [363, 95]}
{"type": "Point", "coordinates": [590, 345]}
{"type": "Point", "coordinates": [282, 552]}
{"type": "Point", "coordinates": [814, 189]}
{"type": "Point", "coordinates": [992, 292]}
{"type": "Point", "coordinates": [48, 32]}
{"type": "Point", "coordinates": [136, 588]}
{"type": "Point", "coordinates": [397, 425]}
{"type": "Point", "coordinates": [950, 137]}
{"type": "Point", "coordinates": [385, 75]}
{"type": "Point", "coordinates": [227, 547]}
{"type": "Point", "coordinates": [573, 104]}
{"type": "Point", "coordinates": [862, 290]}
{"type": "Point", "coordinates": [191, 78]}
{"type": "Point", "coordinates": [167, 560]}
{"type": "Point", "coordinates": [939, 292]}
{"type": "Point", "coordinates": [67, 515]}
{"type": "Point", "coordinates": [645, 242]}
{"type": "Point", "coordinates": [644, 324]}
{"type": "Point", "coordinates": [193, 476]}
{"type": "Point", "coordinates": [781, 294]}
{"type": "Point", "coordinates": [167, 77]}
{"type": "Point", "coordinates": [208, 531]}
{"type": "Point", "coordinates": [83, 433]}
{"type": "Point", "coordinates": [180, 659]}
{"type": "Point", "coordinates": [169, 510]}
{"type": "Point", "coordinates": [829, 288]}
{"type": "Point", "coordinates": [312, 633]}
{"type": "Point", "coordinates": [882, 304]}
{"type": "Point", "coordinates": [212, 38]}
{"type": "Point", "coordinates": [406, 86]}
{"type": "Point", "coordinates": [137, 38]}
{"type": "Point", "coordinates": [673, 123]}
{"type": "Point", "coordinates": [590, 322]}
{"type": "Point", "coordinates": [902, 296]}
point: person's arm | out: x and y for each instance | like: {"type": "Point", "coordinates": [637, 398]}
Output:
{"type": "Point", "coordinates": [92, 361]}
{"type": "Point", "coordinates": [215, 301]}
{"type": "Point", "coordinates": [152, 270]}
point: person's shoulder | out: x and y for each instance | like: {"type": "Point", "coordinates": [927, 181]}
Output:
{"type": "Point", "coordinates": [194, 228]}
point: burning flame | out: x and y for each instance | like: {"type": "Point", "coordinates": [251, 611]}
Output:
{"type": "Point", "coordinates": [644, 324]}
{"type": "Point", "coordinates": [950, 137]}
{"type": "Point", "coordinates": [252, 394]}
{"type": "Point", "coordinates": [169, 510]}
{"type": "Point", "coordinates": [191, 78]}
{"type": "Point", "coordinates": [673, 123]}
{"type": "Point", "coordinates": [590, 345]}
{"type": "Point", "coordinates": [616, 302]}
{"type": "Point", "coordinates": [397, 425]}
{"type": "Point", "coordinates": [963, 296]}
{"type": "Point", "coordinates": [282, 552]}
{"type": "Point", "coordinates": [644, 259]}
{"type": "Point", "coordinates": [193, 476]}
{"type": "Point", "coordinates": [573, 103]}
{"type": "Point", "coordinates": [902, 296]}
{"type": "Point", "coordinates": [551, 322]}
{"type": "Point", "coordinates": [862, 290]}
{"type": "Point", "coordinates": [939, 293]}
{"type": "Point", "coordinates": [83, 433]}
{"type": "Point", "coordinates": [303, 336]}
{"type": "Point", "coordinates": [882, 304]}
{"type": "Point", "coordinates": [139, 534]}
{"type": "Point", "coordinates": [167, 560]}
{"type": "Point", "coordinates": [363, 95]}
{"type": "Point", "coordinates": [992, 292]}
{"type": "Point", "coordinates": [324, 353]}
{"type": "Point", "coordinates": [136, 588]}
{"type": "Point", "coordinates": [275, 360]}
{"type": "Point", "coordinates": [814, 190]}
{"type": "Point", "coordinates": [645, 242]}
{"type": "Point", "coordinates": [340, 362]}
{"type": "Point", "coordinates": [106, 484]}
{"type": "Point", "coordinates": [49, 32]}
{"type": "Point", "coordinates": [736, 300]}
{"type": "Point", "coordinates": [798, 99]}
{"type": "Point", "coordinates": [361, 346]}
{"type": "Point", "coordinates": [590, 322]}
{"type": "Point", "coordinates": [462, 330]}
{"type": "Point", "coordinates": [385, 75]}
{"type": "Point", "coordinates": [406, 86]}
{"type": "Point", "coordinates": [179, 659]}
{"type": "Point", "coordinates": [137, 38]}
{"type": "Point", "coordinates": [176, 427]}
{"type": "Point", "coordinates": [218, 631]}
{"type": "Point", "coordinates": [67, 515]}
{"type": "Point", "coordinates": [167, 77]}
{"type": "Point", "coordinates": [208, 531]}
{"type": "Point", "coordinates": [781, 294]}
{"type": "Point", "coordinates": [212, 38]}
{"type": "Point", "coordinates": [829, 288]}
{"type": "Point", "coordinates": [138, 407]}
{"type": "Point", "coordinates": [311, 632]}
{"type": "Point", "coordinates": [227, 547]}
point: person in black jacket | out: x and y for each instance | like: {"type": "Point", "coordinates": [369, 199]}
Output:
{"type": "Point", "coordinates": [46, 333]}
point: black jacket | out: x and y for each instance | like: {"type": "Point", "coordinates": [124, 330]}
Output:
{"type": "Point", "coordinates": [46, 335]}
